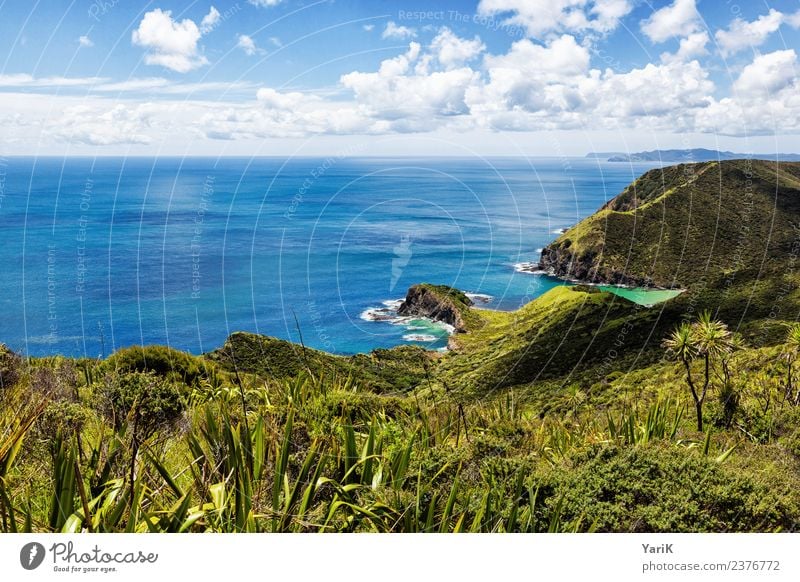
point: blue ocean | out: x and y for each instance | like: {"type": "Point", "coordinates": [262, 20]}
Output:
{"type": "Point", "coordinates": [102, 253]}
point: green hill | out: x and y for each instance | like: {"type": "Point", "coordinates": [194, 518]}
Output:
{"type": "Point", "coordinates": [383, 370]}
{"type": "Point", "coordinates": [712, 224]}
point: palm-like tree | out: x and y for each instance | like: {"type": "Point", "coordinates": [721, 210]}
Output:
{"type": "Point", "coordinates": [681, 345]}
{"type": "Point", "coordinates": [706, 338]}
{"type": "Point", "coordinates": [792, 351]}
{"type": "Point", "coordinates": [714, 340]}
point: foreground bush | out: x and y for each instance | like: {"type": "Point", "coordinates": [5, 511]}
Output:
{"type": "Point", "coordinates": [161, 360]}
{"type": "Point", "coordinates": [666, 489]}
{"type": "Point", "coordinates": [126, 450]}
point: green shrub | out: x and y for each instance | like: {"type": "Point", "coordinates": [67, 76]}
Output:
{"type": "Point", "coordinates": [667, 489]}
{"type": "Point", "coordinates": [358, 408]}
{"type": "Point", "coordinates": [141, 400]}
{"type": "Point", "coordinates": [161, 360]}
{"type": "Point", "coordinates": [585, 289]}
{"type": "Point", "coordinates": [62, 417]}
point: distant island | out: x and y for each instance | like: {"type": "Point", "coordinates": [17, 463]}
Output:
{"type": "Point", "coordinates": [689, 155]}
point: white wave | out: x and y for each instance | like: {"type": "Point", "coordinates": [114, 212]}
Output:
{"type": "Point", "coordinates": [419, 337]}
{"type": "Point", "coordinates": [479, 297]}
{"type": "Point", "coordinates": [558, 231]}
{"type": "Point", "coordinates": [379, 314]}
{"type": "Point", "coordinates": [388, 314]}
{"type": "Point", "coordinates": [529, 268]}
{"type": "Point", "coordinates": [445, 326]}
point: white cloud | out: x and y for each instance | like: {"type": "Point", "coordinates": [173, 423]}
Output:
{"type": "Point", "coordinates": [272, 99]}
{"type": "Point", "coordinates": [369, 27]}
{"type": "Point", "coordinates": [413, 92]}
{"type": "Point", "coordinates": [135, 84]}
{"type": "Point", "coordinates": [742, 34]}
{"type": "Point", "coordinates": [248, 45]}
{"type": "Point", "coordinates": [167, 87]}
{"type": "Point", "coordinates": [85, 41]}
{"type": "Point", "coordinates": [120, 124]}
{"type": "Point", "coordinates": [275, 41]}
{"type": "Point", "coordinates": [409, 98]}
{"type": "Point", "coordinates": [450, 85]}
{"type": "Point", "coordinates": [609, 13]}
{"type": "Point", "coordinates": [452, 51]}
{"type": "Point", "coordinates": [793, 20]}
{"type": "Point", "coordinates": [209, 21]}
{"type": "Point", "coordinates": [562, 59]}
{"type": "Point", "coordinates": [284, 115]}
{"type": "Point", "coordinates": [532, 85]}
{"type": "Point", "coordinates": [172, 44]}
{"type": "Point", "coordinates": [668, 95]}
{"type": "Point", "coordinates": [25, 80]}
{"type": "Point", "coordinates": [678, 19]}
{"type": "Point", "coordinates": [747, 118]}
{"type": "Point", "coordinates": [765, 101]}
{"type": "Point", "coordinates": [552, 87]}
{"type": "Point", "coordinates": [542, 17]}
{"type": "Point", "coordinates": [393, 31]}
{"type": "Point", "coordinates": [768, 74]}
{"type": "Point", "coordinates": [691, 47]}
{"type": "Point", "coordinates": [32, 119]}
{"type": "Point", "coordinates": [265, 3]}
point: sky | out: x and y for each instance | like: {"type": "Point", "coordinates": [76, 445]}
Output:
{"type": "Point", "coordinates": [409, 77]}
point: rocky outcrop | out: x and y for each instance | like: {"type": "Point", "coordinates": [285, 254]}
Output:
{"type": "Point", "coordinates": [439, 303]}
{"type": "Point", "coordinates": [558, 260]}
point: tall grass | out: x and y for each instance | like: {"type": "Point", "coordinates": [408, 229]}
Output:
{"type": "Point", "coordinates": [310, 454]}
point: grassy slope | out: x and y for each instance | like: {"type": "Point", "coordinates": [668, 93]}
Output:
{"type": "Point", "coordinates": [570, 334]}
{"type": "Point", "coordinates": [395, 369]}
{"type": "Point", "coordinates": [520, 346]}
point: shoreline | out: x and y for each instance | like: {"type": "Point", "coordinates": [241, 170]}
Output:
{"type": "Point", "coordinates": [416, 333]}
{"type": "Point", "coordinates": [531, 268]}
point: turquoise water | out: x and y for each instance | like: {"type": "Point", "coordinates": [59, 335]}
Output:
{"type": "Point", "coordinates": [642, 295]}
{"type": "Point", "coordinates": [109, 252]}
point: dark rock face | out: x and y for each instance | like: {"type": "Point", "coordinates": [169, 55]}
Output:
{"type": "Point", "coordinates": [559, 260]}
{"type": "Point", "coordinates": [425, 301]}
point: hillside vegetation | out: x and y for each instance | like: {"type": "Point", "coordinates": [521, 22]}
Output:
{"type": "Point", "coordinates": [85, 448]}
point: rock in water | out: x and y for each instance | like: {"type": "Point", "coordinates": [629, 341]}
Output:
{"type": "Point", "coordinates": [439, 303]}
